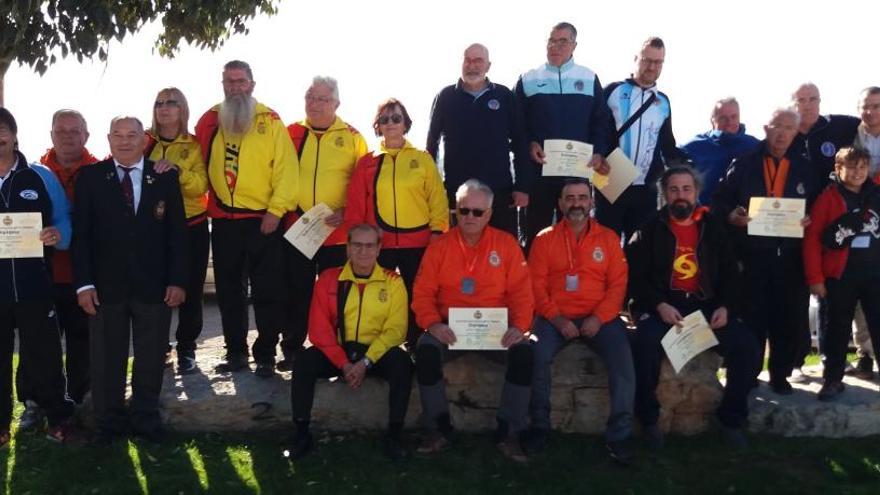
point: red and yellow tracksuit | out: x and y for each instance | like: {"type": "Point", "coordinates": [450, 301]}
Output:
{"type": "Point", "coordinates": [375, 312]}
{"type": "Point", "coordinates": [326, 161]}
{"type": "Point", "coordinates": [185, 153]}
{"type": "Point", "coordinates": [597, 261]}
{"type": "Point", "coordinates": [401, 192]}
{"type": "Point", "coordinates": [497, 267]}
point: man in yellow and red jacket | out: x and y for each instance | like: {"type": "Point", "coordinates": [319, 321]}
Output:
{"type": "Point", "coordinates": [252, 178]}
{"type": "Point", "coordinates": [579, 276]}
{"type": "Point", "coordinates": [327, 149]}
{"type": "Point", "coordinates": [473, 266]}
{"type": "Point", "coordinates": [357, 323]}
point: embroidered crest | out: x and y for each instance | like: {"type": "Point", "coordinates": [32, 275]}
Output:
{"type": "Point", "coordinates": [184, 154]}
{"type": "Point", "coordinates": [494, 259]}
{"type": "Point", "coordinates": [29, 194]}
{"type": "Point", "coordinates": [159, 211]}
{"type": "Point", "coordinates": [598, 255]}
{"type": "Point", "coordinates": [261, 128]}
{"type": "Point", "coordinates": [339, 142]}
{"type": "Point", "coordinates": [383, 295]}
{"type": "Point", "coordinates": [413, 163]}
{"type": "Point", "coordinates": [493, 104]}
{"type": "Point", "coordinates": [579, 85]}
{"type": "Point", "coordinates": [828, 149]}
{"type": "Point", "coordinates": [801, 189]}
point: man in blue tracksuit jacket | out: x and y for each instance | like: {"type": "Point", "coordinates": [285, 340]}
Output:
{"type": "Point", "coordinates": [647, 141]}
{"type": "Point", "coordinates": [711, 152]}
{"type": "Point", "coordinates": [560, 100]}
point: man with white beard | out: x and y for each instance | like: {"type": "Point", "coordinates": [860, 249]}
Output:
{"type": "Point", "coordinates": [252, 174]}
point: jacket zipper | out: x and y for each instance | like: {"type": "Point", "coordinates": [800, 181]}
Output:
{"type": "Point", "coordinates": [12, 260]}
{"type": "Point", "coordinates": [357, 327]}
{"type": "Point", "coordinates": [639, 139]}
{"type": "Point", "coordinates": [317, 161]}
{"type": "Point", "coordinates": [394, 197]}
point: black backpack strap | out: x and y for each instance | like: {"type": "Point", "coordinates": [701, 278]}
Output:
{"type": "Point", "coordinates": [343, 287]}
{"type": "Point", "coordinates": [634, 117]}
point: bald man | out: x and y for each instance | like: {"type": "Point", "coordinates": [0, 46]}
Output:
{"type": "Point", "coordinates": [480, 127]}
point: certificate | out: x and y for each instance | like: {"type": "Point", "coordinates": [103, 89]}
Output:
{"type": "Point", "coordinates": [310, 231]}
{"type": "Point", "coordinates": [20, 235]}
{"type": "Point", "coordinates": [683, 343]}
{"type": "Point", "coordinates": [478, 329]}
{"type": "Point", "coordinates": [622, 174]}
{"type": "Point", "coordinates": [567, 158]}
{"type": "Point", "coordinates": [776, 217]}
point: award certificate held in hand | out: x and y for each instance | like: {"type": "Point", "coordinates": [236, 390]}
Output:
{"type": "Point", "coordinates": [567, 158]}
{"type": "Point", "coordinates": [310, 231]}
{"type": "Point", "coordinates": [683, 343]}
{"type": "Point", "coordinates": [777, 217]}
{"type": "Point", "coordinates": [20, 235]}
{"type": "Point", "coordinates": [478, 329]}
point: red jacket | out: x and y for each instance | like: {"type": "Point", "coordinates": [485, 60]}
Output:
{"type": "Point", "coordinates": [821, 262]}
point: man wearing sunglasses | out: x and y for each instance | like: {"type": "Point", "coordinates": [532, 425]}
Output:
{"type": "Point", "coordinates": [473, 266]}
{"type": "Point", "coordinates": [480, 125]}
{"type": "Point", "coordinates": [560, 100]}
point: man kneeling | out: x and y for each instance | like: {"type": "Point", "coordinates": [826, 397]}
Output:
{"type": "Point", "coordinates": [366, 337]}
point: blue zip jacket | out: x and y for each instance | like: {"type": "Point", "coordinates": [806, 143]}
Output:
{"type": "Point", "coordinates": [712, 152]}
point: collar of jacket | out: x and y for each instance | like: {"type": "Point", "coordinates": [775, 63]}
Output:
{"type": "Point", "coordinates": [406, 145]}
{"type": "Point", "coordinates": [181, 138]}
{"type": "Point", "coordinates": [347, 274]}
{"type": "Point", "coordinates": [459, 86]}
{"type": "Point", "coordinates": [337, 124]}
{"type": "Point", "coordinates": [562, 68]}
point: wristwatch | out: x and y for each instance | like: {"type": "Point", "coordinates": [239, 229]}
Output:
{"type": "Point", "coordinates": [367, 363]}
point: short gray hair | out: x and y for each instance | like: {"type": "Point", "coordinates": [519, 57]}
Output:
{"type": "Point", "coordinates": [808, 84]}
{"type": "Point", "coordinates": [68, 112]}
{"type": "Point", "coordinates": [329, 82]}
{"type": "Point", "coordinates": [791, 112]}
{"type": "Point", "coordinates": [727, 100]}
{"type": "Point", "coordinates": [365, 227]}
{"type": "Point", "coordinates": [120, 118]}
{"type": "Point", "coordinates": [474, 185]}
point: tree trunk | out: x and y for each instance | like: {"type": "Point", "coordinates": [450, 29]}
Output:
{"type": "Point", "coordinates": [4, 65]}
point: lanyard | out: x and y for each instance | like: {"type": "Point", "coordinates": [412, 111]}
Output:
{"type": "Point", "coordinates": [770, 179]}
{"type": "Point", "coordinates": [568, 249]}
{"type": "Point", "coordinates": [469, 265]}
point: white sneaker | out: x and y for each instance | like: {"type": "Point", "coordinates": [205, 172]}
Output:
{"type": "Point", "coordinates": [798, 376]}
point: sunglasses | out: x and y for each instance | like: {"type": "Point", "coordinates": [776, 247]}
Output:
{"type": "Point", "coordinates": [396, 118]}
{"type": "Point", "coordinates": [165, 103]}
{"type": "Point", "coordinates": [467, 211]}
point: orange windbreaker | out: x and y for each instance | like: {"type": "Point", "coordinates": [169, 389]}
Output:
{"type": "Point", "coordinates": [499, 271]}
{"type": "Point", "coordinates": [597, 261]}
{"type": "Point", "coordinates": [62, 270]}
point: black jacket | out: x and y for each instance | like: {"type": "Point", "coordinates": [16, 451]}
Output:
{"type": "Point", "coordinates": [651, 252]}
{"type": "Point", "coordinates": [128, 256]}
{"type": "Point", "coordinates": [819, 145]}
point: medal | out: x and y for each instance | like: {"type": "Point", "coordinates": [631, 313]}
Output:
{"type": "Point", "coordinates": [468, 286]}
{"type": "Point", "coordinates": [571, 283]}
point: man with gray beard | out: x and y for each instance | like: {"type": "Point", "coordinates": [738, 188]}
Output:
{"type": "Point", "coordinates": [252, 176]}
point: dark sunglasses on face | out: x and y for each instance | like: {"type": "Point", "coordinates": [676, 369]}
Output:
{"type": "Point", "coordinates": [165, 103]}
{"type": "Point", "coordinates": [467, 211]}
{"type": "Point", "coordinates": [396, 118]}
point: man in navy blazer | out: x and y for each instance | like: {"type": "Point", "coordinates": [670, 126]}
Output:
{"type": "Point", "coordinates": [129, 261]}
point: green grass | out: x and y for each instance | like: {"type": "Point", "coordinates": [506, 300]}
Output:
{"type": "Point", "coordinates": [251, 463]}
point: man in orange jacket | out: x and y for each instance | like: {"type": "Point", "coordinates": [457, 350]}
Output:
{"type": "Point", "coordinates": [473, 266]}
{"type": "Point", "coordinates": [579, 276]}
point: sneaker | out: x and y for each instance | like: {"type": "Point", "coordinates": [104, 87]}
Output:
{"type": "Point", "coordinates": [536, 441]}
{"type": "Point", "coordinates": [830, 390]}
{"type": "Point", "coordinates": [621, 451]}
{"type": "Point", "coordinates": [798, 376]}
{"type": "Point", "coordinates": [265, 370]}
{"type": "Point", "coordinates": [654, 437]}
{"type": "Point", "coordinates": [186, 363]}
{"type": "Point", "coordinates": [32, 418]}
{"type": "Point", "coordinates": [781, 387]}
{"type": "Point", "coordinates": [285, 364]}
{"type": "Point", "coordinates": [300, 447]}
{"type": "Point", "coordinates": [864, 368]}
{"type": "Point", "coordinates": [393, 448]}
{"type": "Point", "coordinates": [65, 433]}
{"type": "Point", "coordinates": [233, 363]}
{"type": "Point", "coordinates": [734, 438]}
{"type": "Point", "coordinates": [5, 438]}
{"type": "Point", "coordinates": [511, 448]}
{"type": "Point", "coordinates": [433, 443]}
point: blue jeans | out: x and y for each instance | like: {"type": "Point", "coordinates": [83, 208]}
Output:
{"type": "Point", "coordinates": [612, 343]}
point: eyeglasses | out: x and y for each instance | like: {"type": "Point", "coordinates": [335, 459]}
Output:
{"type": "Point", "coordinates": [363, 246]}
{"type": "Point", "coordinates": [560, 42]}
{"type": "Point", "coordinates": [323, 100]}
{"type": "Point", "coordinates": [467, 211]}
{"type": "Point", "coordinates": [396, 118]}
{"type": "Point", "coordinates": [166, 103]}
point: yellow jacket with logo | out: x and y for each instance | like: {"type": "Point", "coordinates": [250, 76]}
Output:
{"type": "Point", "coordinates": [185, 153]}
{"type": "Point", "coordinates": [402, 193]}
{"type": "Point", "coordinates": [268, 170]}
{"type": "Point", "coordinates": [375, 312]}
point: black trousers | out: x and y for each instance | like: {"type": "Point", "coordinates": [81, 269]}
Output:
{"type": "Point", "coordinates": [74, 326]}
{"type": "Point", "coordinates": [300, 275]}
{"type": "Point", "coordinates": [148, 325]}
{"type": "Point", "coordinates": [237, 243]}
{"type": "Point", "coordinates": [406, 261]}
{"type": "Point", "coordinates": [395, 367]}
{"type": "Point", "coordinates": [40, 353]}
{"type": "Point", "coordinates": [504, 216]}
{"type": "Point", "coordinates": [842, 297]}
{"type": "Point", "coordinates": [736, 344]}
{"type": "Point", "coordinates": [777, 306]}
{"type": "Point", "coordinates": [543, 210]}
{"type": "Point", "coordinates": [633, 208]}
{"type": "Point", "coordinates": [189, 314]}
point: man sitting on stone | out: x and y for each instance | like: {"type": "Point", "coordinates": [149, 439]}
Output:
{"type": "Point", "coordinates": [365, 339]}
{"type": "Point", "coordinates": [579, 278]}
{"type": "Point", "coordinates": [681, 261]}
{"type": "Point", "coordinates": [473, 266]}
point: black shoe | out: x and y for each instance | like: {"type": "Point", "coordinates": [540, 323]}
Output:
{"type": "Point", "coordinates": [781, 387]}
{"type": "Point", "coordinates": [621, 451]}
{"type": "Point", "coordinates": [536, 440]}
{"type": "Point", "coordinates": [301, 445]}
{"type": "Point", "coordinates": [830, 390]}
{"type": "Point", "coordinates": [864, 368]}
{"type": "Point", "coordinates": [393, 448]}
{"type": "Point", "coordinates": [285, 364]}
{"type": "Point", "coordinates": [654, 437]}
{"type": "Point", "coordinates": [233, 363]}
{"type": "Point", "coordinates": [186, 362]}
{"type": "Point", "coordinates": [734, 437]}
{"type": "Point", "coordinates": [265, 370]}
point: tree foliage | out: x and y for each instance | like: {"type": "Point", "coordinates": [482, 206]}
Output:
{"type": "Point", "coordinates": [34, 32]}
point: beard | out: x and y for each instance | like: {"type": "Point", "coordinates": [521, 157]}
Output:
{"type": "Point", "coordinates": [237, 113]}
{"type": "Point", "coordinates": [576, 213]}
{"type": "Point", "coordinates": [681, 209]}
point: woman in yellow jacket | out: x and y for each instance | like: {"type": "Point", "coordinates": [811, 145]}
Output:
{"type": "Point", "coordinates": [398, 189]}
{"type": "Point", "coordinates": [172, 147]}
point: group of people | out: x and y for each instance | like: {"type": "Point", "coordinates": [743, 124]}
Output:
{"type": "Point", "coordinates": [409, 243]}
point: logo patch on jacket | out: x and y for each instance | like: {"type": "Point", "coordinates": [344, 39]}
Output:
{"type": "Point", "coordinates": [159, 210]}
{"type": "Point", "coordinates": [339, 142]}
{"type": "Point", "coordinates": [383, 295]}
{"type": "Point", "coordinates": [598, 255]}
{"type": "Point", "coordinates": [29, 194]}
{"type": "Point", "coordinates": [801, 189]}
{"type": "Point", "coordinates": [413, 163]}
{"type": "Point", "coordinates": [184, 154]}
{"type": "Point", "coordinates": [261, 128]}
{"type": "Point", "coordinates": [828, 149]}
{"type": "Point", "coordinates": [494, 259]}
{"type": "Point", "coordinates": [579, 85]}
{"type": "Point", "coordinates": [493, 104]}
